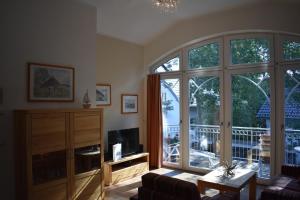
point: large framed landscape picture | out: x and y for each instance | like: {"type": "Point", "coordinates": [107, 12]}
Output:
{"type": "Point", "coordinates": [50, 83]}
{"type": "Point", "coordinates": [103, 94]}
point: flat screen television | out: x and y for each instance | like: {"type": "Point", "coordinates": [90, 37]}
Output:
{"type": "Point", "coordinates": [129, 139]}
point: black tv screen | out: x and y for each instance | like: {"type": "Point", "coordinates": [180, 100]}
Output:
{"type": "Point", "coordinates": [129, 139]}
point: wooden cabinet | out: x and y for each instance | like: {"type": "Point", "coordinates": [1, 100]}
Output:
{"type": "Point", "coordinates": [126, 168]}
{"type": "Point", "coordinates": [59, 154]}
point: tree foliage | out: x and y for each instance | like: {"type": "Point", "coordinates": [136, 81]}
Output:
{"type": "Point", "coordinates": [247, 51]}
{"type": "Point", "coordinates": [204, 56]}
{"type": "Point", "coordinates": [291, 50]}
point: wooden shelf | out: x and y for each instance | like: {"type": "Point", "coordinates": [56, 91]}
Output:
{"type": "Point", "coordinates": [59, 154]}
{"type": "Point", "coordinates": [126, 168]}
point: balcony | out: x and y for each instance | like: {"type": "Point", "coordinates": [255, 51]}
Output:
{"type": "Point", "coordinates": [250, 145]}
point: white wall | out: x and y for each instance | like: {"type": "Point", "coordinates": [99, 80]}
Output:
{"type": "Point", "coordinates": [59, 32]}
{"type": "Point", "coordinates": [120, 64]}
{"type": "Point", "coordinates": [262, 16]}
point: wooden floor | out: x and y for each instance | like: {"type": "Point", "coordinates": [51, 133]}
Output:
{"type": "Point", "coordinates": [126, 189]}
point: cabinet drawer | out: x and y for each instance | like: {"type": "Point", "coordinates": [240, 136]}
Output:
{"type": "Point", "coordinates": [87, 122]}
{"type": "Point", "coordinates": [129, 172]}
{"type": "Point", "coordinates": [48, 143]}
{"type": "Point", "coordinates": [57, 192]}
{"type": "Point", "coordinates": [48, 133]}
{"type": "Point", "coordinates": [86, 138]}
{"type": "Point", "coordinates": [89, 187]}
{"type": "Point", "coordinates": [87, 129]}
{"type": "Point", "coordinates": [47, 124]}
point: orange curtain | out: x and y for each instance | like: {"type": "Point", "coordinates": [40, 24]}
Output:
{"type": "Point", "coordinates": [154, 121]}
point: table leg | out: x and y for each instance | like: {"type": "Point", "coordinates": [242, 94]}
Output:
{"type": "Point", "coordinates": [252, 188]}
{"type": "Point", "coordinates": [201, 187]}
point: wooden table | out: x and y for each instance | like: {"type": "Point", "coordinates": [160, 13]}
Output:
{"type": "Point", "coordinates": [242, 177]}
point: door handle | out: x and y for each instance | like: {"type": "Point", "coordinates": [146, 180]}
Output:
{"type": "Point", "coordinates": [282, 127]}
{"type": "Point", "coordinates": [228, 124]}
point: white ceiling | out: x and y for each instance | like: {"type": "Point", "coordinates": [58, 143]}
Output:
{"type": "Point", "coordinates": [138, 21]}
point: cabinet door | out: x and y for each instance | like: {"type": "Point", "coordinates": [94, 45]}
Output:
{"type": "Point", "coordinates": [49, 152]}
{"type": "Point", "coordinates": [88, 186]}
{"type": "Point", "coordinates": [87, 129]}
{"type": "Point", "coordinates": [86, 155]}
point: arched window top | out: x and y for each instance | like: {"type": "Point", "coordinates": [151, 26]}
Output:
{"type": "Point", "coordinates": [172, 64]}
{"type": "Point", "coordinates": [232, 51]}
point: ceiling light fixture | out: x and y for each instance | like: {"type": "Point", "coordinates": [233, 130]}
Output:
{"type": "Point", "coordinates": [166, 5]}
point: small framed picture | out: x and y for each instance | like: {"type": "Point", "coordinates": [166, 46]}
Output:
{"type": "Point", "coordinates": [103, 95]}
{"type": "Point", "coordinates": [129, 103]}
{"type": "Point", "coordinates": [50, 83]}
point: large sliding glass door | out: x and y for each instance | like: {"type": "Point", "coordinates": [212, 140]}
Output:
{"type": "Point", "coordinates": [250, 122]}
{"type": "Point", "coordinates": [204, 121]}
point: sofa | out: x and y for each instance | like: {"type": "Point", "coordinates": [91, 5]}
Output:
{"type": "Point", "coordinates": [161, 187]}
{"type": "Point", "coordinates": [284, 187]}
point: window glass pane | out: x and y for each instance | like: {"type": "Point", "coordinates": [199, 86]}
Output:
{"type": "Point", "coordinates": [291, 50]}
{"type": "Point", "coordinates": [250, 51]}
{"type": "Point", "coordinates": [204, 128]}
{"type": "Point", "coordinates": [292, 116]}
{"type": "Point", "coordinates": [170, 96]}
{"type": "Point", "coordinates": [251, 132]}
{"type": "Point", "coordinates": [171, 65]}
{"type": "Point", "coordinates": [204, 56]}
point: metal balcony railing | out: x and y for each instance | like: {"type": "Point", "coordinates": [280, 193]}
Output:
{"type": "Point", "coordinates": [249, 144]}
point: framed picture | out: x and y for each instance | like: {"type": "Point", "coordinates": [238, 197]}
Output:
{"type": "Point", "coordinates": [129, 103]}
{"type": "Point", "coordinates": [50, 83]}
{"type": "Point", "coordinates": [103, 94]}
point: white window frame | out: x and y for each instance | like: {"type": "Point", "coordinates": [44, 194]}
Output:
{"type": "Point", "coordinates": [280, 121]}
{"type": "Point", "coordinates": [175, 76]}
{"type": "Point", "coordinates": [228, 111]}
{"type": "Point", "coordinates": [275, 67]}
{"type": "Point", "coordinates": [187, 76]}
{"type": "Point", "coordinates": [186, 50]}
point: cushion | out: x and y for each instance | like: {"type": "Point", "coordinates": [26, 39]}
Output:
{"type": "Point", "coordinates": [165, 184]}
{"type": "Point", "coordinates": [186, 190]}
{"type": "Point", "coordinates": [144, 193]}
{"type": "Point", "coordinates": [285, 182]}
{"type": "Point", "coordinates": [162, 196]}
{"type": "Point", "coordinates": [148, 180]}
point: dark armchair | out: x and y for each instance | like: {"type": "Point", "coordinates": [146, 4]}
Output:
{"type": "Point", "coordinates": [284, 187]}
{"type": "Point", "coordinates": [160, 187]}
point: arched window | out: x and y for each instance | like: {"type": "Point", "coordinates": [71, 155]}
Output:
{"type": "Point", "coordinates": [229, 91]}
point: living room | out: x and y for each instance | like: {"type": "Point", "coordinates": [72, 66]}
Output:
{"type": "Point", "coordinates": [93, 38]}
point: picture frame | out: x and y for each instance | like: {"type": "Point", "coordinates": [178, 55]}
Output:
{"type": "Point", "coordinates": [103, 94]}
{"type": "Point", "coordinates": [50, 83]}
{"type": "Point", "coordinates": [129, 103]}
